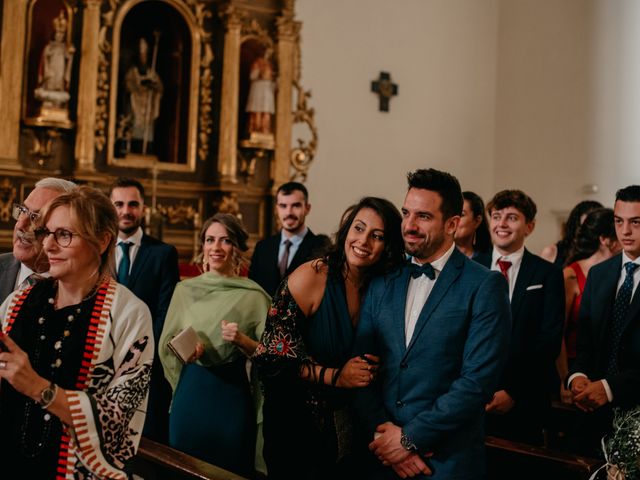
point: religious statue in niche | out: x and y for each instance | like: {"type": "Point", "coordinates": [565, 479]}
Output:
{"type": "Point", "coordinates": [259, 94]}
{"type": "Point", "coordinates": [261, 104]}
{"type": "Point", "coordinates": [145, 92]}
{"type": "Point", "coordinates": [151, 115]}
{"type": "Point", "coordinates": [54, 75]}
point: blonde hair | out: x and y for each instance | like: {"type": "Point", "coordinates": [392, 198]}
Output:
{"type": "Point", "coordinates": [95, 217]}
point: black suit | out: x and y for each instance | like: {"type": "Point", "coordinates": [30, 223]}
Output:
{"type": "Point", "coordinates": [594, 323]}
{"type": "Point", "coordinates": [9, 271]}
{"type": "Point", "coordinates": [153, 277]}
{"type": "Point", "coordinates": [264, 262]}
{"type": "Point", "coordinates": [537, 310]}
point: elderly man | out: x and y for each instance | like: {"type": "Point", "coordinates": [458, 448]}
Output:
{"type": "Point", "coordinates": [20, 268]}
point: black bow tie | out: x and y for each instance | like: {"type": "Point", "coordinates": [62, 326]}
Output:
{"type": "Point", "coordinates": [425, 269]}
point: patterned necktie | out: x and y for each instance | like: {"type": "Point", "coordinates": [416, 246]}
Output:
{"type": "Point", "coordinates": [620, 309]}
{"type": "Point", "coordinates": [284, 261]}
{"type": "Point", "coordinates": [125, 264]}
{"type": "Point", "coordinates": [424, 269]}
{"type": "Point", "coordinates": [505, 265]}
{"type": "Point", "coordinates": [30, 280]}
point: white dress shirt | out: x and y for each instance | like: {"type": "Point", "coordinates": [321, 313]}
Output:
{"type": "Point", "coordinates": [24, 273]}
{"type": "Point", "coordinates": [516, 260]}
{"type": "Point", "coordinates": [418, 293]}
{"type": "Point", "coordinates": [135, 240]}
{"type": "Point", "coordinates": [295, 240]}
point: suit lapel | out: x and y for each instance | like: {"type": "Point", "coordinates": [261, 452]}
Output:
{"type": "Point", "coordinates": [449, 274]}
{"type": "Point", "coordinates": [141, 259]}
{"type": "Point", "coordinates": [399, 297]}
{"type": "Point", "coordinates": [609, 287]}
{"type": "Point", "coordinates": [525, 273]}
{"type": "Point", "coordinates": [301, 253]}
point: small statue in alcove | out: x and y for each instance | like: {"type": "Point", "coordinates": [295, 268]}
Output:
{"type": "Point", "coordinates": [261, 100]}
{"type": "Point", "coordinates": [54, 73]}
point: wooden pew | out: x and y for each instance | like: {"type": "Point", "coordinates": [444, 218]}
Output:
{"type": "Point", "coordinates": [507, 459]}
{"type": "Point", "coordinates": [156, 461]}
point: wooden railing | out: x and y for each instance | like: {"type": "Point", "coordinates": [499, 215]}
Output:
{"type": "Point", "coordinates": [507, 459]}
{"type": "Point", "coordinates": [156, 461]}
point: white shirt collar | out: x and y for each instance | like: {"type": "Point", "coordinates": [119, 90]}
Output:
{"type": "Point", "coordinates": [515, 258]}
{"type": "Point", "coordinates": [294, 239]}
{"type": "Point", "coordinates": [439, 264]}
{"type": "Point", "coordinates": [135, 238]}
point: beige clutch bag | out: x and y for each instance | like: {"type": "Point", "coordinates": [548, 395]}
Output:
{"type": "Point", "coordinates": [183, 345]}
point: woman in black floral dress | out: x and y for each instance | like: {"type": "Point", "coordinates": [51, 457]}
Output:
{"type": "Point", "coordinates": [304, 356]}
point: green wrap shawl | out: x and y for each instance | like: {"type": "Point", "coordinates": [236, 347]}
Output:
{"type": "Point", "coordinates": [203, 302]}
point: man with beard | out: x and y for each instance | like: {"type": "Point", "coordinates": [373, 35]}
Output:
{"type": "Point", "coordinates": [440, 325]}
{"type": "Point", "coordinates": [149, 268]}
{"type": "Point", "coordinates": [21, 268]}
{"type": "Point", "coordinates": [277, 256]}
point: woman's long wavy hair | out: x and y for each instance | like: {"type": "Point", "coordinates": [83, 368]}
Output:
{"type": "Point", "coordinates": [570, 229]}
{"type": "Point", "coordinates": [598, 223]}
{"type": "Point", "coordinates": [393, 254]}
{"type": "Point", "coordinates": [482, 241]}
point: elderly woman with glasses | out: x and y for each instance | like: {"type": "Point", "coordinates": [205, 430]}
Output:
{"type": "Point", "coordinates": [76, 353]}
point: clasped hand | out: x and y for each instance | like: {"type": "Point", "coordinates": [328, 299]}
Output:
{"type": "Point", "coordinates": [358, 371]}
{"type": "Point", "coordinates": [390, 452]}
{"type": "Point", "coordinates": [588, 395]}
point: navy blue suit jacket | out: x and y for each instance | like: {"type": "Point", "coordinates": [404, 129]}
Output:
{"type": "Point", "coordinates": [264, 262]}
{"type": "Point", "coordinates": [437, 387]}
{"type": "Point", "coordinates": [153, 277]}
{"type": "Point", "coordinates": [537, 312]}
{"type": "Point", "coordinates": [593, 334]}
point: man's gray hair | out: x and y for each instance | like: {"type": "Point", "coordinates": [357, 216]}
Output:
{"type": "Point", "coordinates": [57, 184]}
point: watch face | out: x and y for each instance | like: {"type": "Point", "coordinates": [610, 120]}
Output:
{"type": "Point", "coordinates": [47, 395]}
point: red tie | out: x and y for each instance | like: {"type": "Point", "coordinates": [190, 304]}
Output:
{"type": "Point", "coordinates": [504, 265]}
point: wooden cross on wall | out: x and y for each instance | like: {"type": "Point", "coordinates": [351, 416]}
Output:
{"type": "Point", "coordinates": [385, 89]}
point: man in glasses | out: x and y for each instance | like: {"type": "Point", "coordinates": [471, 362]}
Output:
{"type": "Point", "coordinates": [17, 267]}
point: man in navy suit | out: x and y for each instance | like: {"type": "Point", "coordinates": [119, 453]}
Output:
{"type": "Point", "coordinates": [277, 256]}
{"type": "Point", "coordinates": [440, 325]}
{"type": "Point", "coordinates": [150, 271]}
{"type": "Point", "coordinates": [27, 258]}
{"type": "Point", "coordinates": [606, 371]}
{"type": "Point", "coordinates": [521, 403]}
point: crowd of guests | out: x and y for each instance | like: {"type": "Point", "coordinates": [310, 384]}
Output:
{"type": "Point", "coordinates": [388, 352]}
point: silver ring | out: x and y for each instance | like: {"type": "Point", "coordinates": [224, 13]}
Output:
{"type": "Point", "coordinates": [3, 365]}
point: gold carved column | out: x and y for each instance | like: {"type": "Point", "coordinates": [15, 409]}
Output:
{"type": "Point", "coordinates": [14, 24]}
{"type": "Point", "coordinates": [287, 34]}
{"type": "Point", "coordinates": [227, 149]}
{"type": "Point", "coordinates": [88, 87]}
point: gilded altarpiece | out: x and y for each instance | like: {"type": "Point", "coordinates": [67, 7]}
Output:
{"type": "Point", "coordinates": [196, 98]}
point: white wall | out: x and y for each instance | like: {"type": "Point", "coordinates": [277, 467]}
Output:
{"type": "Point", "coordinates": [540, 95]}
{"type": "Point", "coordinates": [442, 55]}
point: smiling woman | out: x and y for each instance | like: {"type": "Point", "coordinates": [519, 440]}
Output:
{"type": "Point", "coordinates": [304, 355]}
{"type": "Point", "coordinates": [213, 413]}
{"type": "Point", "coordinates": [79, 352]}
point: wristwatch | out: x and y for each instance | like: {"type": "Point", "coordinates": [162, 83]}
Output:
{"type": "Point", "coordinates": [48, 395]}
{"type": "Point", "coordinates": [407, 444]}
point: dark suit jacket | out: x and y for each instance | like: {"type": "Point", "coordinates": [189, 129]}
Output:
{"type": "Point", "coordinates": [264, 262]}
{"type": "Point", "coordinates": [593, 334]}
{"type": "Point", "coordinates": [153, 277]}
{"type": "Point", "coordinates": [9, 269]}
{"type": "Point", "coordinates": [437, 387]}
{"type": "Point", "coordinates": [537, 310]}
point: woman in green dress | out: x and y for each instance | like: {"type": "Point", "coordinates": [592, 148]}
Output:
{"type": "Point", "coordinates": [215, 411]}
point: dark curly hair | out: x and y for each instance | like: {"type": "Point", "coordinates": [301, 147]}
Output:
{"type": "Point", "coordinates": [572, 224]}
{"type": "Point", "coordinates": [483, 238]}
{"type": "Point", "coordinates": [393, 254]}
{"type": "Point", "coordinates": [598, 223]}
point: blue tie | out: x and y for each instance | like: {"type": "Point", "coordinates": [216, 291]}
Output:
{"type": "Point", "coordinates": [620, 308]}
{"type": "Point", "coordinates": [424, 269]}
{"type": "Point", "coordinates": [125, 264]}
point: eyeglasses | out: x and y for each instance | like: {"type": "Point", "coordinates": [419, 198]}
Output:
{"type": "Point", "coordinates": [62, 236]}
{"type": "Point", "coordinates": [19, 210]}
